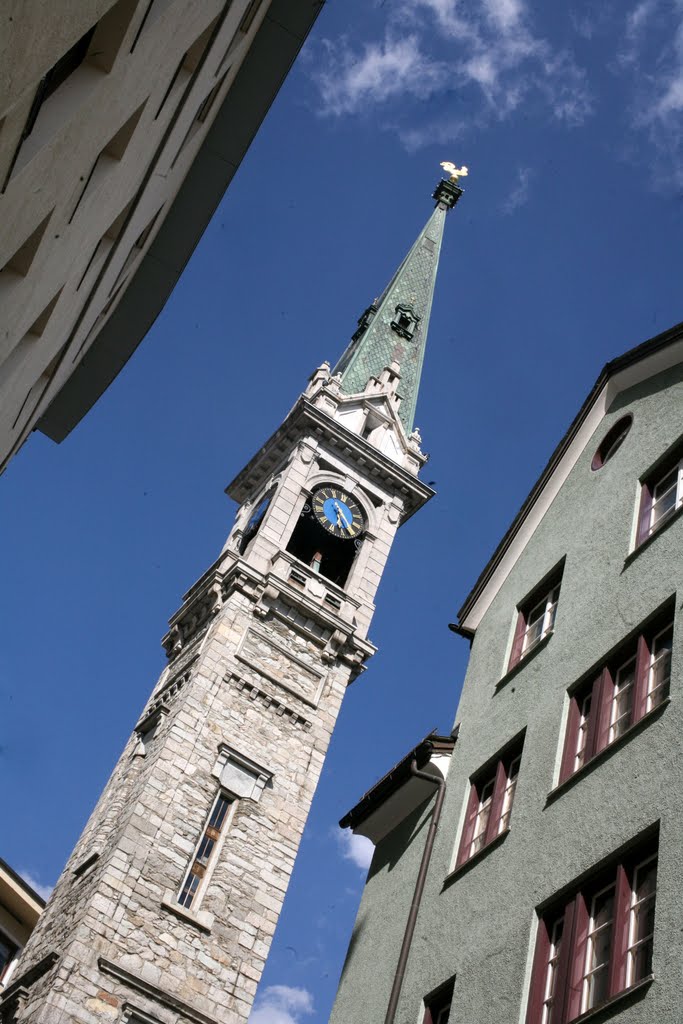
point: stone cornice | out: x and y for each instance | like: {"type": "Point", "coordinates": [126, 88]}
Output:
{"type": "Point", "coordinates": [166, 999]}
{"type": "Point", "coordinates": [206, 597]}
{"type": "Point", "coordinates": [306, 418]}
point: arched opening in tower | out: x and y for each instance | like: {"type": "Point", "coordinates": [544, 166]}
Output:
{"type": "Point", "coordinates": [330, 556]}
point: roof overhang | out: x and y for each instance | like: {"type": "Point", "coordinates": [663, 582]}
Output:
{"type": "Point", "coordinates": [271, 54]}
{"type": "Point", "coordinates": [400, 792]}
{"type": "Point", "coordinates": [18, 897]}
{"type": "Point", "coordinates": [638, 364]}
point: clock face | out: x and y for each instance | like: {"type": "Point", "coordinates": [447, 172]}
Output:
{"type": "Point", "coordinates": [338, 512]}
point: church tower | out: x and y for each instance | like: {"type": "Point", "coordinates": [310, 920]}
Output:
{"type": "Point", "coordinates": [165, 911]}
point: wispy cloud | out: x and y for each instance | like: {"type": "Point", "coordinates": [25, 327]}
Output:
{"type": "Point", "coordinates": [519, 193]}
{"type": "Point", "coordinates": [432, 47]}
{"type": "Point", "coordinates": [652, 57]}
{"type": "Point", "coordinates": [381, 71]}
{"type": "Point", "coordinates": [43, 890]}
{"type": "Point", "coordinates": [358, 849]}
{"type": "Point", "coordinates": [281, 1004]}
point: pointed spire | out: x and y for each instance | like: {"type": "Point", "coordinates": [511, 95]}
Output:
{"type": "Point", "coordinates": [393, 329]}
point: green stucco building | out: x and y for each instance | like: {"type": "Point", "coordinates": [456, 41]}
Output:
{"type": "Point", "coordinates": [540, 845]}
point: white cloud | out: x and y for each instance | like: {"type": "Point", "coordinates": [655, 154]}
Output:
{"type": "Point", "coordinates": [444, 47]}
{"type": "Point", "coordinates": [384, 70]}
{"type": "Point", "coordinates": [519, 193]}
{"type": "Point", "coordinates": [43, 890]}
{"type": "Point", "coordinates": [652, 58]}
{"type": "Point", "coordinates": [359, 849]}
{"type": "Point", "coordinates": [281, 1004]}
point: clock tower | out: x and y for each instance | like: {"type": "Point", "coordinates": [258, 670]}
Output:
{"type": "Point", "coordinates": [165, 911]}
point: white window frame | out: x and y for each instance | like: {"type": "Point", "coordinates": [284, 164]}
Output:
{"type": "Point", "coordinates": [549, 604]}
{"type": "Point", "coordinates": [635, 903]}
{"type": "Point", "coordinates": [654, 659]}
{"type": "Point", "coordinates": [589, 971]}
{"type": "Point", "coordinates": [655, 524]}
{"type": "Point", "coordinates": [617, 692]}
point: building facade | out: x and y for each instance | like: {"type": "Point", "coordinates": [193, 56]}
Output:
{"type": "Point", "coordinates": [20, 908]}
{"type": "Point", "coordinates": [165, 911]}
{"type": "Point", "coordinates": [122, 123]}
{"type": "Point", "coordinates": [551, 892]}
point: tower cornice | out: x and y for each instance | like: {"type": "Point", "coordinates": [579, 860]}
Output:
{"type": "Point", "coordinates": [304, 419]}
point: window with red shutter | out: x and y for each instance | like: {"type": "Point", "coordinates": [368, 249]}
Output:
{"type": "Point", "coordinates": [661, 494]}
{"type": "Point", "coordinates": [536, 617]}
{"type": "Point", "coordinates": [597, 942]}
{"type": "Point", "coordinates": [489, 806]}
{"type": "Point", "coordinates": [617, 695]}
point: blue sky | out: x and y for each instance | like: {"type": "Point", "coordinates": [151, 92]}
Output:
{"type": "Point", "coordinates": [564, 251]}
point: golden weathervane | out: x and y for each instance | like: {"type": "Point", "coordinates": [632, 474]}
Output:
{"type": "Point", "coordinates": [455, 172]}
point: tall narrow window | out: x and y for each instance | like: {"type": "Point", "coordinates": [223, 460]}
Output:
{"type": "Point", "coordinates": [205, 850]}
{"type": "Point", "coordinates": [490, 802]}
{"type": "Point", "coordinates": [8, 952]}
{"type": "Point", "coordinates": [536, 618]}
{"type": "Point", "coordinates": [596, 942]}
{"type": "Point", "coordinates": [632, 683]}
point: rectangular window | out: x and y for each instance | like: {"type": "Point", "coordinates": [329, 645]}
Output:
{"type": "Point", "coordinates": [597, 942]}
{"type": "Point", "coordinates": [661, 494]}
{"type": "Point", "coordinates": [205, 850]}
{"type": "Point", "coordinates": [438, 1004]}
{"type": "Point", "coordinates": [632, 683]}
{"type": "Point", "coordinates": [535, 618]}
{"type": "Point", "coordinates": [490, 802]}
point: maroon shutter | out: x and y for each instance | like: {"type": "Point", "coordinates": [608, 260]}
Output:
{"type": "Point", "coordinates": [619, 950]}
{"type": "Point", "coordinates": [602, 709]}
{"type": "Point", "coordinates": [496, 803]}
{"type": "Point", "coordinates": [571, 738]}
{"type": "Point", "coordinates": [578, 958]}
{"type": "Point", "coordinates": [534, 1008]}
{"type": "Point", "coordinates": [516, 652]}
{"type": "Point", "coordinates": [594, 718]}
{"type": "Point", "coordinates": [564, 965]}
{"type": "Point", "coordinates": [468, 830]}
{"type": "Point", "coordinates": [642, 675]}
{"type": "Point", "coordinates": [644, 513]}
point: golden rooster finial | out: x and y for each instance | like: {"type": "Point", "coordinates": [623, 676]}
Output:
{"type": "Point", "coordinates": [453, 171]}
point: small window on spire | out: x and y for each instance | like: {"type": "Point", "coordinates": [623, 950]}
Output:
{"type": "Point", "coordinates": [405, 321]}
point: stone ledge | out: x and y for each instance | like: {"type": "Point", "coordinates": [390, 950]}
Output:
{"type": "Point", "coordinates": [201, 919]}
{"type": "Point", "coordinates": [166, 999]}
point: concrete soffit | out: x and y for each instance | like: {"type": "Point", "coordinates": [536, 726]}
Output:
{"type": "Point", "coordinates": [613, 381]}
{"type": "Point", "coordinates": [400, 793]}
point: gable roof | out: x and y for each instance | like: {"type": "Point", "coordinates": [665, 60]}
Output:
{"type": "Point", "coordinates": [636, 364]}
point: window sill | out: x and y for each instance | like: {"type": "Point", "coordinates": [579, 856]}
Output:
{"type": "Point", "coordinates": [648, 540]}
{"type": "Point", "coordinates": [636, 991]}
{"type": "Point", "coordinates": [201, 919]}
{"type": "Point", "coordinates": [524, 661]}
{"type": "Point", "coordinates": [603, 754]}
{"type": "Point", "coordinates": [474, 859]}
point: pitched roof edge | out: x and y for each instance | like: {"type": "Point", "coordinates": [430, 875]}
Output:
{"type": "Point", "coordinates": [628, 358]}
{"type": "Point", "coordinates": [396, 776]}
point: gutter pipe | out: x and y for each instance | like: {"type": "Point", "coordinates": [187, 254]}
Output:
{"type": "Point", "coordinates": [419, 889]}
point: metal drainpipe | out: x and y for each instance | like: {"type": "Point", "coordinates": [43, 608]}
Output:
{"type": "Point", "coordinates": [419, 889]}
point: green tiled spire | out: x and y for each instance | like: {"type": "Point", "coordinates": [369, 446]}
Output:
{"type": "Point", "coordinates": [394, 327]}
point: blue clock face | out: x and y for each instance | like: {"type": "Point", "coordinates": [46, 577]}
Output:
{"type": "Point", "coordinates": [338, 512]}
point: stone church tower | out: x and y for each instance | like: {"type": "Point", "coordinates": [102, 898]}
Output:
{"type": "Point", "coordinates": [165, 911]}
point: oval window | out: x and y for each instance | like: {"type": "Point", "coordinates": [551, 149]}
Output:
{"type": "Point", "coordinates": [612, 442]}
